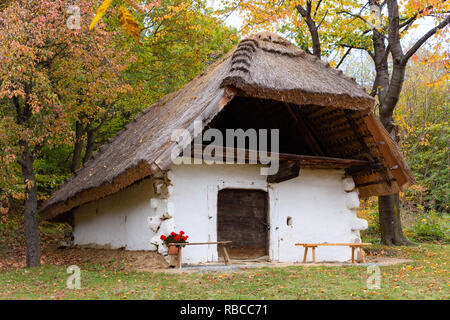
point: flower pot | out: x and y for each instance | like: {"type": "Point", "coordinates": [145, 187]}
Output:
{"type": "Point", "coordinates": [173, 250]}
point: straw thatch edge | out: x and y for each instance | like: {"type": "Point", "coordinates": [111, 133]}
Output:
{"type": "Point", "coordinates": [300, 97]}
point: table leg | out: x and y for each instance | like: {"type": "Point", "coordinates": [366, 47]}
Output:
{"type": "Point", "coordinates": [304, 255]}
{"type": "Point", "coordinates": [314, 254]}
{"type": "Point", "coordinates": [353, 254]}
{"type": "Point", "coordinates": [179, 257]}
{"type": "Point", "coordinates": [363, 258]}
{"type": "Point", "coordinates": [225, 256]}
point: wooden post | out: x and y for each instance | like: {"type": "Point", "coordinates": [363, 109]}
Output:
{"type": "Point", "coordinates": [179, 257]}
{"type": "Point", "coordinates": [361, 251]}
{"type": "Point", "coordinates": [314, 254]}
{"type": "Point", "coordinates": [353, 246]}
{"type": "Point", "coordinates": [225, 255]}
{"type": "Point", "coordinates": [353, 254]}
{"type": "Point", "coordinates": [304, 256]}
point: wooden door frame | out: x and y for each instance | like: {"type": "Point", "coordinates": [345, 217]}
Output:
{"type": "Point", "coordinates": [264, 189]}
{"type": "Point", "coordinates": [272, 212]}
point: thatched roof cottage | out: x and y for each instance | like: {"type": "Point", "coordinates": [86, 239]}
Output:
{"type": "Point", "coordinates": [332, 151]}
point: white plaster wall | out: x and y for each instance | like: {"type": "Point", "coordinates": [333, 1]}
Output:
{"type": "Point", "coordinates": [119, 220]}
{"type": "Point", "coordinates": [316, 201]}
{"type": "Point", "coordinates": [194, 197]}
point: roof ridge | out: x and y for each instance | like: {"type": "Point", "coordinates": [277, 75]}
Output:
{"type": "Point", "coordinates": [262, 39]}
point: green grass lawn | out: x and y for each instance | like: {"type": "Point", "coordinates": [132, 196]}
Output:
{"type": "Point", "coordinates": [424, 278]}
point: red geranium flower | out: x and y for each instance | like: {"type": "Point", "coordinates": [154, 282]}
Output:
{"type": "Point", "coordinates": [177, 238]}
{"type": "Point", "coordinates": [163, 237]}
{"type": "Point", "coordinates": [185, 238]}
{"type": "Point", "coordinates": [173, 234]}
{"type": "Point", "coordinates": [181, 232]}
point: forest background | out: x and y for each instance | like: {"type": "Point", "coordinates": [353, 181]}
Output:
{"type": "Point", "coordinates": [85, 88]}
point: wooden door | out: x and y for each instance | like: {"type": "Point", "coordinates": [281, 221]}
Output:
{"type": "Point", "coordinates": [242, 218]}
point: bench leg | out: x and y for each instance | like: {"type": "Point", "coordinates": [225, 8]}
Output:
{"type": "Point", "coordinates": [179, 256]}
{"type": "Point", "coordinates": [353, 254]}
{"type": "Point", "coordinates": [314, 254]}
{"type": "Point", "coordinates": [363, 258]}
{"type": "Point", "coordinates": [226, 257]}
{"type": "Point", "coordinates": [305, 254]}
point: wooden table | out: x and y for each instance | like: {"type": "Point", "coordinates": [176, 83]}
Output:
{"type": "Point", "coordinates": [353, 246]}
{"type": "Point", "coordinates": [223, 244]}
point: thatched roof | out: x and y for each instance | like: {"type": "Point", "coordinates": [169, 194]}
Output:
{"type": "Point", "coordinates": [262, 66]}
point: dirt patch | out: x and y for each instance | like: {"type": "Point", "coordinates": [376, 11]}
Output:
{"type": "Point", "coordinates": [107, 258]}
{"type": "Point", "coordinates": [114, 259]}
{"type": "Point", "coordinates": [382, 252]}
{"type": "Point", "coordinates": [386, 261]}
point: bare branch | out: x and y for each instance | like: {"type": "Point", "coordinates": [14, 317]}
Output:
{"type": "Point", "coordinates": [308, 7]}
{"type": "Point", "coordinates": [424, 38]}
{"type": "Point", "coordinates": [313, 29]}
{"type": "Point", "coordinates": [374, 90]}
{"type": "Point", "coordinates": [353, 15]}
{"type": "Point", "coordinates": [359, 48]}
{"type": "Point", "coordinates": [416, 15]}
{"type": "Point", "coordinates": [343, 57]}
{"type": "Point", "coordinates": [394, 31]}
{"type": "Point", "coordinates": [326, 12]}
{"type": "Point", "coordinates": [302, 11]}
{"type": "Point", "coordinates": [317, 7]}
{"type": "Point", "coordinates": [386, 53]}
{"type": "Point", "coordinates": [410, 20]}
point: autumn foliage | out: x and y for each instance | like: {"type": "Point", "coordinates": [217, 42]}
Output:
{"type": "Point", "coordinates": [65, 91]}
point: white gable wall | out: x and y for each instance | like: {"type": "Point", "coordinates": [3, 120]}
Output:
{"type": "Point", "coordinates": [194, 196]}
{"type": "Point", "coordinates": [315, 201]}
{"type": "Point", "coordinates": [117, 221]}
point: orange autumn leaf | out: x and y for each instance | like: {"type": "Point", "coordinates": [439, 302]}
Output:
{"type": "Point", "coordinates": [129, 24]}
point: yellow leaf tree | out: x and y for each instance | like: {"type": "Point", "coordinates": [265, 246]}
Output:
{"type": "Point", "coordinates": [331, 28]}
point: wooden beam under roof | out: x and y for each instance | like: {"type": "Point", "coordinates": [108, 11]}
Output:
{"type": "Point", "coordinates": [354, 127]}
{"type": "Point", "coordinates": [305, 132]}
{"type": "Point", "coordinates": [318, 162]}
{"type": "Point", "coordinates": [288, 169]}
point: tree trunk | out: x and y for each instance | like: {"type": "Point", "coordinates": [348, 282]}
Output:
{"type": "Point", "coordinates": [389, 206]}
{"type": "Point", "coordinates": [30, 209]}
{"type": "Point", "coordinates": [388, 90]}
{"type": "Point", "coordinates": [78, 147]}
{"type": "Point", "coordinates": [390, 221]}
{"type": "Point", "coordinates": [89, 145]}
{"type": "Point", "coordinates": [312, 27]}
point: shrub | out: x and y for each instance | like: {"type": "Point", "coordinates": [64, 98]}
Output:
{"type": "Point", "coordinates": [430, 226]}
{"type": "Point", "coordinates": [369, 211]}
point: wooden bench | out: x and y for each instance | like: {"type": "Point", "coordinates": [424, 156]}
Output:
{"type": "Point", "coordinates": [353, 246]}
{"type": "Point", "coordinates": [223, 244]}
